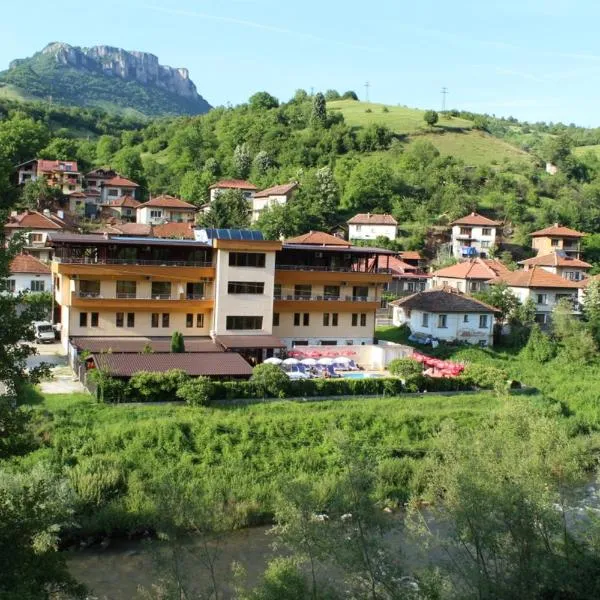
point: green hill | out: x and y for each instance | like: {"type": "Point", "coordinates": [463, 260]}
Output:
{"type": "Point", "coordinates": [105, 77]}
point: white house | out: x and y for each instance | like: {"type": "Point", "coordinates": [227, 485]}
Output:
{"type": "Point", "coordinates": [248, 189]}
{"type": "Point", "coordinates": [559, 263]}
{"type": "Point", "coordinates": [279, 194]}
{"type": "Point", "coordinates": [446, 314]}
{"type": "Point", "coordinates": [165, 209]}
{"type": "Point", "coordinates": [474, 235]}
{"type": "Point", "coordinates": [544, 288]}
{"type": "Point", "coordinates": [28, 274]}
{"type": "Point", "coordinates": [366, 226]}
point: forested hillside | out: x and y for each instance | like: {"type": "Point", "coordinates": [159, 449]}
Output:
{"type": "Point", "coordinates": [345, 164]}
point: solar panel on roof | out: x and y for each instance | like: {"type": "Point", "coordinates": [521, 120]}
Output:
{"type": "Point", "coordinates": [234, 234]}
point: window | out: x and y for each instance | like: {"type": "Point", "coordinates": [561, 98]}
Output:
{"type": "Point", "coordinates": [305, 319]}
{"type": "Point", "coordinates": [247, 259]}
{"type": "Point", "coordinates": [165, 319]}
{"type": "Point", "coordinates": [126, 289]}
{"type": "Point", "coordinates": [541, 318]}
{"type": "Point", "coordinates": [542, 299]}
{"type": "Point", "coordinates": [465, 318]}
{"type": "Point", "coordinates": [71, 187]}
{"type": "Point", "coordinates": [473, 286]}
{"type": "Point", "coordinates": [442, 321]}
{"type": "Point", "coordinates": [155, 214]}
{"type": "Point", "coordinates": [425, 320]}
{"type": "Point", "coordinates": [114, 193]}
{"type": "Point", "coordinates": [194, 291]}
{"type": "Point", "coordinates": [37, 285]}
{"type": "Point", "coordinates": [328, 342]}
{"type": "Point", "coordinates": [130, 319]}
{"type": "Point", "coordinates": [200, 320]}
{"type": "Point", "coordinates": [296, 319]}
{"type": "Point", "coordinates": [154, 320]}
{"type": "Point", "coordinates": [161, 290]}
{"type": "Point", "coordinates": [83, 319]}
{"type": "Point", "coordinates": [325, 319]}
{"type": "Point", "coordinates": [465, 231]}
{"type": "Point", "coordinates": [334, 319]}
{"type": "Point", "coordinates": [483, 321]}
{"type": "Point", "coordinates": [554, 242]}
{"type": "Point", "coordinates": [485, 244]}
{"type": "Point", "coordinates": [275, 319]}
{"type": "Point", "coordinates": [299, 343]}
{"type": "Point", "coordinates": [277, 291]}
{"type": "Point", "coordinates": [302, 292]}
{"type": "Point", "coordinates": [244, 323]}
{"type": "Point", "coordinates": [120, 319]}
{"type": "Point", "coordinates": [94, 319]}
{"type": "Point", "coordinates": [573, 275]}
{"type": "Point", "coordinates": [331, 292]}
{"type": "Point", "coordinates": [360, 292]}
{"type": "Point", "coordinates": [354, 319]}
{"type": "Point", "coordinates": [10, 285]}
{"type": "Point", "coordinates": [245, 287]}
{"type": "Point", "coordinates": [89, 288]}
{"type": "Point", "coordinates": [189, 320]}
{"type": "Point", "coordinates": [486, 231]}
{"type": "Point", "coordinates": [410, 286]}
{"type": "Point", "coordinates": [363, 319]}
{"type": "Point", "coordinates": [36, 238]}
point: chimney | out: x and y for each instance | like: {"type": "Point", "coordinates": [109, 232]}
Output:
{"type": "Point", "coordinates": [13, 213]}
{"type": "Point", "coordinates": [46, 212]}
{"type": "Point", "coordinates": [555, 224]}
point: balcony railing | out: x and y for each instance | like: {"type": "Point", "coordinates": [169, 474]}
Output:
{"type": "Point", "coordinates": [132, 261]}
{"type": "Point", "coordinates": [169, 297]}
{"type": "Point", "coordinates": [330, 269]}
{"type": "Point", "coordinates": [302, 298]}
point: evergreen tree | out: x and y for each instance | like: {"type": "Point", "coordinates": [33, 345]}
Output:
{"type": "Point", "coordinates": [229, 210]}
{"type": "Point", "coordinates": [177, 342]}
{"type": "Point", "coordinates": [242, 161]}
{"type": "Point", "coordinates": [318, 117]}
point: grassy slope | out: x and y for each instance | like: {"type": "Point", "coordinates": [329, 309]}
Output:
{"type": "Point", "coordinates": [451, 136]}
{"type": "Point", "coordinates": [581, 150]}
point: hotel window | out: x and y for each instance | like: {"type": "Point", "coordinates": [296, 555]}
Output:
{"type": "Point", "coordinates": [10, 285]}
{"type": "Point", "coordinates": [425, 320]}
{"type": "Point", "coordinates": [244, 323]}
{"type": "Point", "coordinates": [306, 319]}
{"type": "Point", "coordinates": [245, 287]}
{"type": "Point", "coordinates": [296, 319]}
{"type": "Point", "coordinates": [247, 259]}
{"type": "Point", "coordinates": [83, 319]}
{"type": "Point", "coordinates": [325, 319]}
{"type": "Point", "coordinates": [486, 231]}
{"type": "Point", "coordinates": [360, 292]}
{"type": "Point", "coordinates": [275, 319]}
{"type": "Point", "coordinates": [331, 292]}
{"type": "Point", "coordinates": [120, 319]}
{"type": "Point", "coordinates": [363, 319]}
{"type": "Point", "coordinates": [161, 290]}
{"type": "Point", "coordinates": [189, 320]}
{"type": "Point", "coordinates": [442, 321]}
{"type": "Point", "coordinates": [194, 291]}
{"type": "Point", "coordinates": [334, 319]}
{"type": "Point", "coordinates": [94, 319]}
{"type": "Point", "coordinates": [37, 285]}
{"type": "Point", "coordinates": [200, 320]}
{"type": "Point", "coordinates": [542, 299]}
{"type": "Point", "coordinates": [277, 291]}
{"type": "Point", "coordinates": [126, 289]}
{"type": "Point", "coordinates": [130, 319]}
{"type": "Point", "coordinates": [354, 319]}
{"type": "Point", "coordinates": [483, 321]}
{"type": "Point", "coordinates": [89, 288]}
{"type": "Point", "coordinates": [302, 292]}
{"type": "Point", "coordinates": [154, 320]}
{"type": "Point", "coordinates": [165, 319]}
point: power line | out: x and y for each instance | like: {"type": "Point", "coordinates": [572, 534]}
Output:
{"type": "Point", "coordinates": [367, 86]}
{"type": "Point", "coordinates": [444, 92]}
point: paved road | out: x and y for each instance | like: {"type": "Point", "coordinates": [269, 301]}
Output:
{"type": "Point", "coordinates": [63, 380]}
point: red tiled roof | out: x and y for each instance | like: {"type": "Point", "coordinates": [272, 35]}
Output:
{"type": "Point", "coordinates": [102, 173]}
{"type": "Point", "coordinates": [137, 344]}
{"type": "Point", "coordinates": [557, 230]}
{"type": "Point", "coordinates": [537, 277]}
{"type": "Point", "coordinates": [119, 181]}
{"type": "Point", "coordinates": [136, 229]}
{"type": "Point", "coordinates": [168, 202]}
{"type": "Point", "coordinates": [125, 202]}
{"type": "Point", "coordinates": [477, 268]}
{"type": "Point", "coordinates": [24, 263]}
{"type": "Point", "coordinates": [410, 255]}
{"type": "Point", "coordinates": [371, 219]}
{"type": "Point", "coordinates": [554, 259]}
{"type": "Point", "coordinates": [32, 219]}
{"type": "Point", "coordinates": [76, 195]}
{"type": "Point", "coordinates": [398, 266]}
{"type": "Point", "coordinates": [277, 190]}
{"type": "Point", "coordinates": [443, 300]}
{"type": "Point", "coordinates": [47, 166]}
{"type": "Point", "coordinates": [182, 231]}
{"type": "Point", "coordinates": [236, 184]}
{"type": "Point", "coordinates": [318, 238]}
{"type": "Point", "coordinates": [224, 364]}
{"type": "Point", "coordinates": [476, 219]}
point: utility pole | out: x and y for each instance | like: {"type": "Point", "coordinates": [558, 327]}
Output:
{"type": "Point", "coordinates": [367, 86]}
{"type": "Point", "coordinates": [444, 92]}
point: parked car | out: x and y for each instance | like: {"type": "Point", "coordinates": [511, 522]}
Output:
{"type": "Point", "coordinates": [44, 332]}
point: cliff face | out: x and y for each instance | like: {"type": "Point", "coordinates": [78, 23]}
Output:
{"type": "Point", "coordinates": [142, 67]}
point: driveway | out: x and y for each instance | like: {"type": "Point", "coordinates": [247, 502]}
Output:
{"type": "Point", "coordinates": [63, 380]}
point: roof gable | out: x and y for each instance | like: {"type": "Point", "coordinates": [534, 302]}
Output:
{"type": "Point", "coordinates": [443, 300]}
{"type": "Point", "coordinates": [476, 219]}
{"type": "Point", "coordinates": [557, 230]}
{"type": "Point", "coordinates": [372, 219]}
{"type": "Point", "coordinates": [25, 263]}
{"type": "Point", "coordinates": [536, 277]}
{"type": "Point", "coordinates": [168, 202]}
{"type": "Point", "coordinates": [555, 259]}
{"type": "Point", "coordinates": [119, 181]}
{"type": "Point", "coordinates": [32, 219]}
{"type": "Point", "coordinates": [318, 238]}
{"type": "Point", "coordinates": [277, 190]}
{"type": "Point", "coordinates": [477, 268]}
{"type": "Point", "coordinates": [236, 184]}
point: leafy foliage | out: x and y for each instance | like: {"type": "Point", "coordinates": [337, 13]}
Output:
{"type": "Point", "coordinates": [405, 367]}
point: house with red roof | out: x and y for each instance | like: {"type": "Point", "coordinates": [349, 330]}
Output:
{"type": "Point", "coordinates": [166, 209]}
{"type": "Point", "coordinates": [406, 278]}
{"type": "Point", "coordinates": [28, 274]}
{"type": "Point", "coordinates": [248, 189]}
{"type": "Point", "coordinates": [559, 263]}
{"type": "Point", "coordinates": [124, 208]}
{"type": "Point", "coordinates": [469, 276]}
{"type": "Point", "coordinates": [110, 184]}
{"type": "Point", "coordinates": [555, 238]}
{"type": "Point", "coordinates": [273, 196]}
{"type": "Point", "coordinates": [474, 236]}
{"type": "Point", "coordinates": [61, 174]}
{"type": "Point", "coordinates": [367, 226]}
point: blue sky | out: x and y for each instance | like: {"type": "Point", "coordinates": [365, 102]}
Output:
{"type": "Point", "coordinates": [536, 60]}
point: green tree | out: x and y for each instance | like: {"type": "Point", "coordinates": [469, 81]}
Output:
{"type": "Point", "coordinates": [60, 149]}
{"type": "Point", "coordinates": [591, 308]}
{"type": "Point", "coordinates": [229, 210]}
{"type": "Point", "coordinates": [194, 187]}
{"type": "Point", "coordinates": [36, 194]}
{"type": "Point", "coordinates": [372, 185]}
{"type": "Point", "coordinates": [22, 138]}
{"type": "Point", "coordinates": [577, 345]}
{"type": "Point", "coordinates": [106, 147]}
{"type": "Point", "coordinates": [128, 163]}
{"type": "Point", "coordinates": [331, 95]}
{"type": "Point", "coordinates": [242, 161]}
{"type": "Point", "coordinates": [350, 95]}
{"type": "Point", "coordinates": [281, 220]}
{"type": "Point", "coordinates": [262, 162]}
{"type": "Point", "coordinates": [540, 348]}
{"type": "Point", "coordinates": [263, 101]}
{"type": "Point", "coordinates": [318, 116]}
{"type": "Point", "coordinates": [430, 117]}
{"type": "Point", "coordinates": [269, 380]}
{"type": "Point", "coordinates": [177, 342]}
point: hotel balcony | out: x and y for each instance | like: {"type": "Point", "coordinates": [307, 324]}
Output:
{"type": "Point", "coordinates": [324, 273]}
{"type": "Point", "coordinates": [299, 302]}
{"type": "Point", "coordinates": [170, 302]}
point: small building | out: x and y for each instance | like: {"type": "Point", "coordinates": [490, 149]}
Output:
{"type": "Point", "coordinates": [85, 203]}
{"type": "Point", "coordinates": [117, 187]}
{"type": "Point", "coordinates": [166, 209]}
{"type": "Point", "coordinates": [98, 177]}
{"type": "Point", "coordinates": [124, 208]}
{"type": "Point", "coordinates": [248, 189]}
{"type": "Point", "coordinates": [545, 289]}
{"type": "Point", "coordinates": [557, 237]}
{"type": "Point", "coordinates": [559, 263]}
{"type": "Point", "coordinates": [273, 196]}
{"type": "Point", "coordinates": [412, 257]}
{"type": "Point", "coordinates": [474, 235]}
{"type": "Point", "coordinates": [60, 174]}
{"type": "Point", "coordinates": [469, 276]}
{"type": "Point", "coordinates": [406, 278]}
{"type": "Point", "coordinates": [28, 274]}
{"type": "Point", "coordinates": [367, 226]}
{"type": "Point", "coordinates": [446, 314]}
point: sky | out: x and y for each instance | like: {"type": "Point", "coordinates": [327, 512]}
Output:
{"type": "Point", "coordinates": [535, 60]}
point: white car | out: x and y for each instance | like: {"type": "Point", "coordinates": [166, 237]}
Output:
{"type": "Point", "coordinates": [44, 332]}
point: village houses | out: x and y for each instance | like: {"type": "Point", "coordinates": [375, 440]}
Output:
{"type": "Point", "coordinates": [273, 196]}
{"type": "Point", "coordinates": [469, 276]}
{"type": "Point", "coordinates": [557, 238]}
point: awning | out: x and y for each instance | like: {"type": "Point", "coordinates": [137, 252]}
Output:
{"type": "Point", "coordinates": [240, 342]}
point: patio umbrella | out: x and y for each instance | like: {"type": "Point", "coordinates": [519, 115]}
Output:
{"type": "Point", "coordinates": [291, 361]}
{"type": "Point", "coordinates": [309, 362]}
{"type": "Point", "coordinates": [273, 361]}
{"type": "Point", "coordinates": [325, 361]}
{"type": "Point", "coordinates": [341, 360]}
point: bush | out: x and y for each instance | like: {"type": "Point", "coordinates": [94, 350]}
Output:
{"type": "Point", "coordinates": [269, 380]}
{"type": "Point", "coordinates": [430, 117]}
{"type": "Point", "coordinates": [96, 480]}
{"type": "Point", "coordinates": [405, 367]}
{"type": "Point", "coordinates": [196, 392]}
{"type": "Point", "coordinates": [486, 377]}
{"type": "Point", "coordinates": [156, 387]}
{"type": "Point", "coordinates": [540, 347]}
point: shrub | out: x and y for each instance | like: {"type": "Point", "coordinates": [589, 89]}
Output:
{"type": "Point", "coordinates": [486, 377]}
{"type": "Point", "coordinates": [540, 347]}
{"type": "Point", "coordinates": [270, 380]}
{"type": "Point", "coordinates": [96, 480]}
{"type": "Point", "coordinates": [368, 110]}
{"type": "Point", "coordinates": [196, 392]}
{"type": "Point", "coordinates": [385, 109]}
{"type": "Point", "coordinates": [430, 117]}
{"type": "Point", "coordinates": [405, 367]}
{"type": "Point", "coordinates": [156, 387]}
{"type": "Point", "coordinates": [177, 343]}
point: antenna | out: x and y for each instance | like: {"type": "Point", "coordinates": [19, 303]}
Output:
{"type": "Point", "coordinates": [367, 86]}
{"type": "Point", "coordinates": [444, 92]}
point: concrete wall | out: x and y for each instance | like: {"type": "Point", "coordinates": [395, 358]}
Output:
{"type": "Point", "coordinates": [166, 215]}
{"type": "Point", "coordinates": [482, 243]}
{"type": "Point", "coordinates": [546, 245]}
{"type": "Point", "coordinates": [370, 232]}
{"type": "Point", "coordinates": [259, 204]}
{"type": "Point", "coordinates": [551, 297]}
{"type": "Point", "coordinates": [23, 281]}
